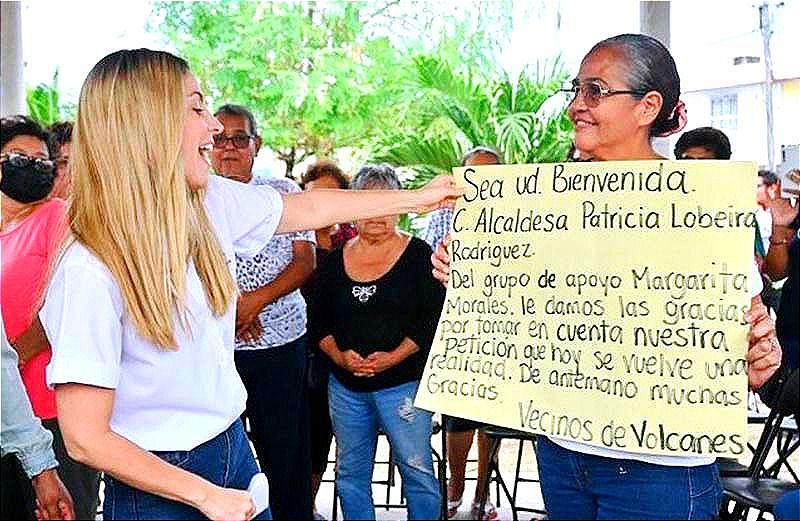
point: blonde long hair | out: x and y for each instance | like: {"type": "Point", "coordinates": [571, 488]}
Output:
{"type": "Point", "coordinates": [131, 205]}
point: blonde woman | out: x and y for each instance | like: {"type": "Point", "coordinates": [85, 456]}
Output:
{"type": "Point", "coordinates": [140, 310]}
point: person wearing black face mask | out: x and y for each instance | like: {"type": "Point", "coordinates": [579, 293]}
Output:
{"type": "Point", "coordinates": [26, 179]}
{"type": "Point", "coordinates": [33, 227]}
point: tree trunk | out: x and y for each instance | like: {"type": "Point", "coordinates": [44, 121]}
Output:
{"type": "Point", "coordinates": [290, 158]}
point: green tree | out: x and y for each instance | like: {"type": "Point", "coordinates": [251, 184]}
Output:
{"type": "Point", "coordinates": [310, 75]}
{"type": "Point", "coordinates": [321, 77]}
{"type": "Point", "coordinates": [463, 109]}
{"type": "Point", "coordinates": [44, 105]}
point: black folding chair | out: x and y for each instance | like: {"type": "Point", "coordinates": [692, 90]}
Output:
{"type": "Point", "coordinates": [760, 490]}
{"type": "Point", "coordinates": [786, 443]}
{"type": "Point", "coordinates": [496, 435]}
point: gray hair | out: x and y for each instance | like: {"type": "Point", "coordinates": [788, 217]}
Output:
{"type": "Point", "coordinates": [372, 176]}
{"type": "Point", "coordinates": [481, 151]}
{"type": "Point", "coordinates": [649, 67]}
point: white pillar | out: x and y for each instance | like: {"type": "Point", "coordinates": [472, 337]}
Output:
{"type": "Point", "coordinates": [12, 83]}
{"type": "Point", "coordinates": [654, 21]}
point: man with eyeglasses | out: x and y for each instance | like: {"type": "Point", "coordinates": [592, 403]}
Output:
{"type": "Point", "coordinates": [271, 330]}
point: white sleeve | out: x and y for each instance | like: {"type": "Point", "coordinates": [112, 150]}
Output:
{"type": "Point", "coordinates": [288, 186]}
{"type": "Point", "coordinates": [754, 282]}
{"type": "Point", "coordinates": [82, 316]}
{"type": "Point", "coordinates": [251, 213]}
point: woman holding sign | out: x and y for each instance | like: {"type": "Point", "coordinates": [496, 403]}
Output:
{"type": "Point", "coordinates": [141, 306]}
{"type": "Point", "coordinates": [627, 92]}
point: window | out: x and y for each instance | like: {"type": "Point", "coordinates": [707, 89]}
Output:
{"type": "Point", "coordinates": [724, 110]}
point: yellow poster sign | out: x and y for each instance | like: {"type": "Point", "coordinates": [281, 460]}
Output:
{"type": "Point", "coordinates": [601, 303]}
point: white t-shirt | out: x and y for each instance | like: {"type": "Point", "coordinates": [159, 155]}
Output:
{"type": "Point", "coordinates": [764, 220]}
{"type": "Point", "coordinates": [164, 400]}
{"type": "Point", "coordinates": [754, 288]}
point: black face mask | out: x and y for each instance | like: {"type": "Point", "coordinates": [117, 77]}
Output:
{"type": "Point", "coordinates": [26, 184]}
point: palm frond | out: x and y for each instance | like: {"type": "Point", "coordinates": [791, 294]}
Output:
{"type": "Point", "coordinates": [427, 157]}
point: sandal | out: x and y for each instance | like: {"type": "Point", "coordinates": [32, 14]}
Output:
{"type": "Point", "coordinates": [452, 507]}
{"type": "Point", "coordinates": [489, 511]}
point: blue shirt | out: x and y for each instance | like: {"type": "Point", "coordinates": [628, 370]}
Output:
{"type": "Point", "coordinates": [22, 432]}
{"type": "Point", "coordinates": [438, 227]}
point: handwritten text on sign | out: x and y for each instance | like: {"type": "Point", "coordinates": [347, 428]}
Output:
{"type": "Point", "coordinates": [601, 303]}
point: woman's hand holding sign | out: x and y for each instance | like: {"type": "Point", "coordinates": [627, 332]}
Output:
{"type": "Point", "coordinates": [764, 353]}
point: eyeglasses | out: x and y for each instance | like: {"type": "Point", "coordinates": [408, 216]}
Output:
{"type": "Point", "coordinates": [593, 91]}
{"type": "Point", "coordinates": [44, 166]}
{"type": "Point", "coordinates": [239, 140]}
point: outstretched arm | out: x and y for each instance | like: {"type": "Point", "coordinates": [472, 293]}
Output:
{"type": "Point", "coordinates": [320, 208]}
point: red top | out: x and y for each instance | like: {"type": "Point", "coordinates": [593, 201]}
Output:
{"type": "Point", "coordinates": [28, 250]}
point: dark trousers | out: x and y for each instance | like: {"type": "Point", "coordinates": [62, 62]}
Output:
{"type": "Point", "coordinates": [277, 411]}
{"type": "Point", "coordinates": [320, 428]}
{"type": "Point", "coordinates": [16, 496]}
{"type": "Point", "coordinates": [82, 482]}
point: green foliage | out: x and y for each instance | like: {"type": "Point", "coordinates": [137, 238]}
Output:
{"type": "Point", "coordinates": [325, 76]}
{"type": "Point", "coordinates": [412, 83]}
{"type": "Point", "coordinates": [311, 76]}
{"type": "Point", "coordinates": [43, 103]}
{"type": "Point", "coordinates": [464, 111]}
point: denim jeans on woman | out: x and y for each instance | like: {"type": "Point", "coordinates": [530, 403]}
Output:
{"type": "Point", "coordinates": [583, 486]}
{"type": "Point", "coordinates": [356, 418]}
{"type": "Point", "coordinates": [226, 461]}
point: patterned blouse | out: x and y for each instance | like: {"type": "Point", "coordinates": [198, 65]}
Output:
{"type": "Point", "coordinates": [284, 320]}
{"type": "Point", "coordinates": [438, 227]}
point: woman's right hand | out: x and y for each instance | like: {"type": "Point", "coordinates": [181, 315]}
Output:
{"type": "Point", "coordinates": [441, 261]}
{"type": "Point", "coordinates": [441, 192]}
{"type": "Point", "coordinates": [227, 503]}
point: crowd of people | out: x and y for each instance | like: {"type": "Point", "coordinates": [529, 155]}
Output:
{"type": "Point", "coordinates": [157, 319]}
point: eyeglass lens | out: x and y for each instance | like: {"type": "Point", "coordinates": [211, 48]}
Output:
{"type": "Point", "coordinates": [239, 141]}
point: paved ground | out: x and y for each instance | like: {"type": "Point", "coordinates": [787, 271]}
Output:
{"type": "Point", "coordinates": [529, 494]}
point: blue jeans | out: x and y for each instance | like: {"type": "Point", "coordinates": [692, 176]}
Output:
{"type": "Point", "coordinates": [225, 460]}
{"type": "Point", "coordinates": [582, 486]}
{"type": "Point", "coordinates": [356, 418]}
{"type": "Point", "coordinates": [789, 506]}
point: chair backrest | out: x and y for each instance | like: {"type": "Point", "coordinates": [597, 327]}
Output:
{"type": "Point", "coordinates": [772, 427]}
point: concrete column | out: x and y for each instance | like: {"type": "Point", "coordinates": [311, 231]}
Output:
{"type": "Point", "coordinates": [12, 83]}
{"type": "Point", "coordinates": [654, 21]}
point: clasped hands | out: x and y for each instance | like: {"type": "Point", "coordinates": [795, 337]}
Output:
{"type": "Point", "coordinates": [368, 367]}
